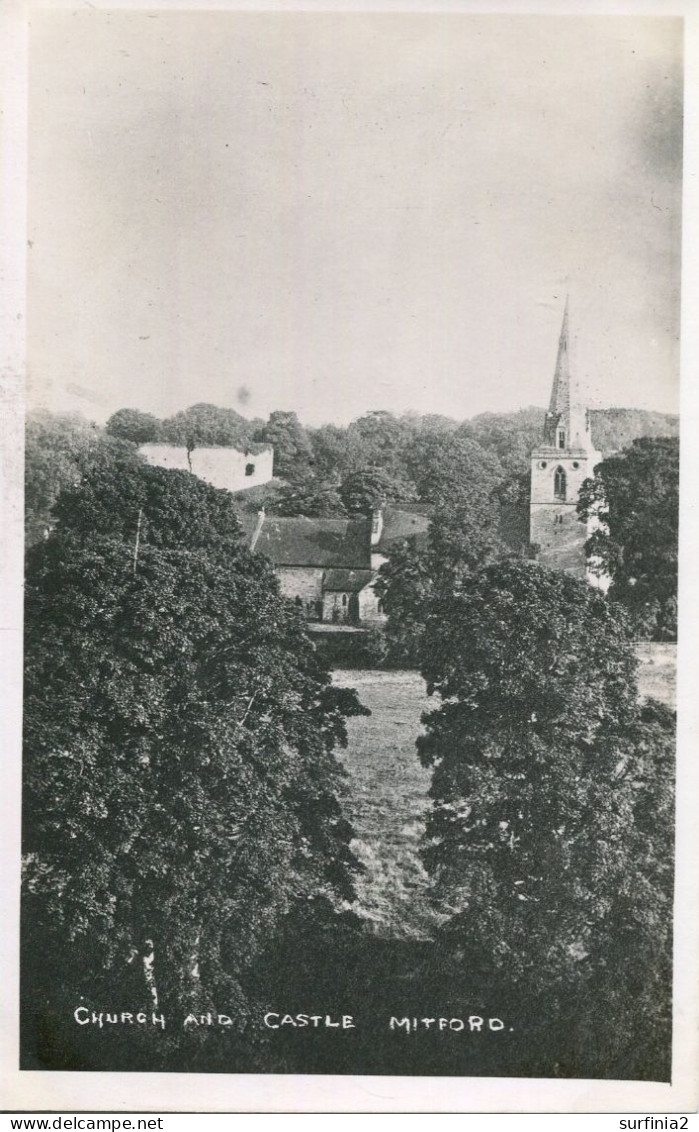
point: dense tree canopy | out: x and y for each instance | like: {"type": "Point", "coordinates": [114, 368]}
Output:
{"type": "Point", "coordinates": [508, 436]}
{"type": "Point", "coordinates": [378, 439]}
{"type": "Point", "coordinates": [133, 425]}
{"type": "Point", "coordinates": [178, 511]}
{"type": "Point", "coordinates": [181, 791]}
{"type": "Point", "coordinates": [330, 451]}
{"type": "Point", "coordinates": [363, 491]}
{"type": "Point", "coordinates": [406, 448]}
{"type": "Point", "coordinates": [460, 482]}
{"type": "Point", "coordinates": [447, 467]}
{"type": "Point", "coordinates": [310, 497]}
{"type": "Point", "coordinates": [293, 455]}
{"type": "Point", "coordinates": [552, 801]}
{"type": "Point", "coordinates": [635, 498]}
{"type": "Point", "coordinates": [204, 425]}
{"type": "Point", "coordinates": [405, 585]}
{"type": "Point", "coordinates": [59, 449]}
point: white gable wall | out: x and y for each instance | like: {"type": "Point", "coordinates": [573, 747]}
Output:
{"type": "Point", "coordinates": [229, 468]}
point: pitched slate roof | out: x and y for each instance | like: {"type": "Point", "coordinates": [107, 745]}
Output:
{"type": "Point", "coordinates": [313, 542]}
{"type": "Point", "coordinates": [346, 581]}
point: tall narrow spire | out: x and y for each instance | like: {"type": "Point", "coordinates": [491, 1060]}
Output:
{"type": "Point", "coordinates": [566, 421]}
{"type": "Point", "coordinates": [560, 393]}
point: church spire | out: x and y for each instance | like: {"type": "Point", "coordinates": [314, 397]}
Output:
{"type": "Point", "coordinates": [566, 420]}
{"type": "Point", "coordinates": [559, 467]}
{"type": "Point", "coordinates": [560, 393]}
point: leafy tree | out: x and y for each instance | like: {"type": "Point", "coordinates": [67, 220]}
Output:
{"type": "Point", "coordinates": [405, 585]}
{"type": "Point", "coordinates": [447, 468]}
{"type": "Point", "coordinates": [414, 447]}
{"type": "Point", "coordinates": [461, 482]}
{"type": "Point", "coordinates": [379, 438]}
{"type": "Point", "coordinates": [549, 836]}
{"type": "Point", "coordinates": [508, 436]}
{"type": "Point", "coordinates": [59, 449]}
{"type": "Point", "coordinates": [204, 425]}
{"type": "Point", "coordinates": [181, 791]}
{"type": "Point", "coordinates": [515, 490]}
{"type": "Point", "coordinates": [330, 448]}
{"type": "Point", "coordinates": [635, 497]}
{"type": "Point", "coordinates": [376, 440]}
{"type": "Point", "coordinates": [310, 497]}
{"type": "Point", "coordinates": [293, 455]}
{"type": "Point", "coordinates": [363, 491]}
{"type": "Point", "coordinates": [408, 584]}
{"type": "Point", "coordinates": [133, 425]}
{"type": "Point", "coordinates": [178, 511]}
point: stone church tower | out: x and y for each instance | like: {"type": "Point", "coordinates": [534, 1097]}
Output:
{"type": "Point", "coordinates": [559, 465]}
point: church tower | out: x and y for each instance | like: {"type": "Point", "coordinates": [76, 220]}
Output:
{"type": "Point", "coordinates": [559, 465]}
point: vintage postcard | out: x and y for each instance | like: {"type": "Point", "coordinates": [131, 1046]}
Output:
{"type": "Point", "coordinates": [344, 352]}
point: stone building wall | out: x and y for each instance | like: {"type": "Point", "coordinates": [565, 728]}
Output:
{"type": "Point", "coordinates": [560, 537]}
{"type": "Point", "coordinates": [337, 608]}
{"type": "Point", "coordinates": [554, 524]}
{"type": "Point", "coordinates": [303, 584]}
{"type": "Point", "coordinates": [229, 468]}
{"type": "Point", "coordinates": [370, 612]}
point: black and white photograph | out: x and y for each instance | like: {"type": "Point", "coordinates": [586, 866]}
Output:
{"type": "Point", "coordinates": [351, 508]}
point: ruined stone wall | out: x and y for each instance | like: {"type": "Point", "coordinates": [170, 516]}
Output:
{"type": "Point", "coordinates": [229, 468]}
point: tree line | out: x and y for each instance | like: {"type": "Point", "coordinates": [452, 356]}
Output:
{"type": "Point", "coordinates": [471, 478]}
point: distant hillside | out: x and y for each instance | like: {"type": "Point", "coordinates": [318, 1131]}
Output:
{"type": "Point", "coordinates": [614, 429]}
{"type": "Point", "coordinates": [511, 436]}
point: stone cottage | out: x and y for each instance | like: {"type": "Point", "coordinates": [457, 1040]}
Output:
{"type": "Point", "coordinates": [329, 566]}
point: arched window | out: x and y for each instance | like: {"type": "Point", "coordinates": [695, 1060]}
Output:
{"type": "Point", "coordinates": [561, 438]}
{"type": "Point", "coordinates": [559, 483]}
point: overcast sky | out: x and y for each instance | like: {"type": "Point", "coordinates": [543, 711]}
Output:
{"type": "Point", "coordinates": [334, 213]}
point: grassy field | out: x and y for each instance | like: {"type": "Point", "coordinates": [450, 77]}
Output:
{"type": "Point", "coordinates": [387, 799]}
{"type": "Point", "coordinates": [387, 790]}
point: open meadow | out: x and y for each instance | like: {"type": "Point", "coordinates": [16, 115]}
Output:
{"type": "Point", "coordinates": [387, 794]}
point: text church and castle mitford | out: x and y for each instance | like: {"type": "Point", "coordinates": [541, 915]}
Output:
{"type": "Point", "coordinates": [329, 566]}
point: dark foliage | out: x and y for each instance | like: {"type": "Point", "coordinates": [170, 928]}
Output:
{"type": "Point", "coordinates": [461, 482]}
{"type": "Point", "coordinates": [363, 491]}
{"type": "Point", "coordinates": [311, 497]}
{"type": "Point", "coordinates": [205, 425]}
{"type": "Point", "coordinates": [552, 804]}
{"type": "Point", "coordinates": [635, 497]}
{"type": "Point", "coordinates": [292, 449]}
{"type": "Point", "coordinates": [59, 450]}
{"type": "Point", "coordinates": [180, 790]}
{"type": "Point", "coordinates": [133, 425]}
